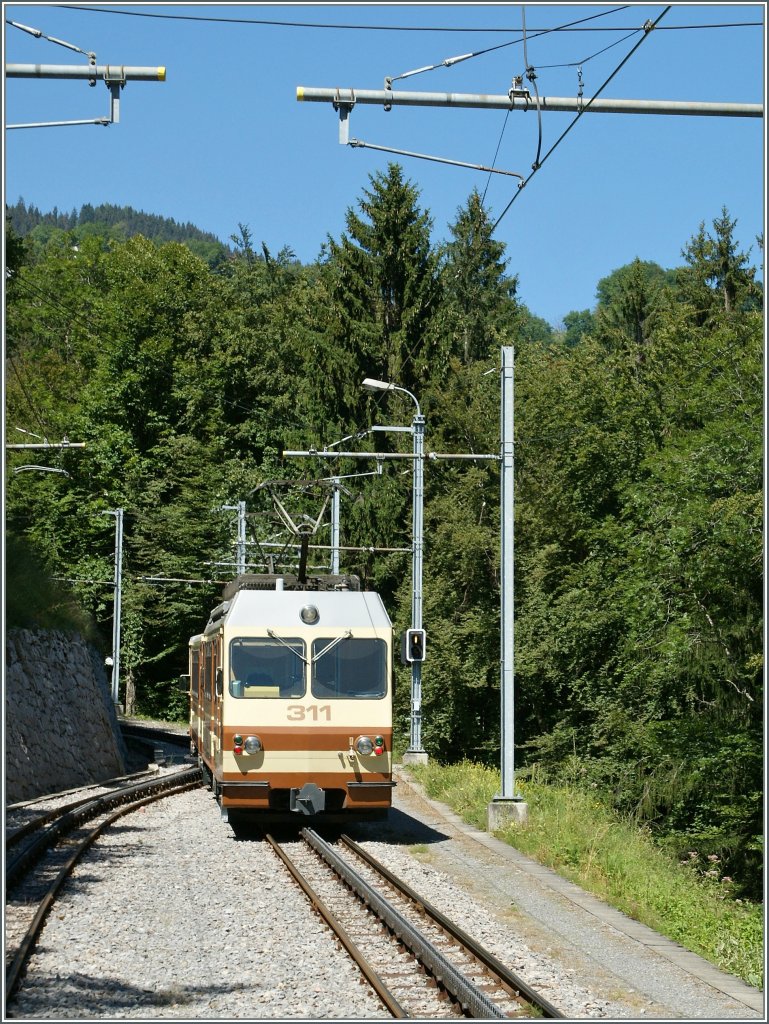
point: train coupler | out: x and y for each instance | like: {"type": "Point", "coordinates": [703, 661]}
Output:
{"type": "Point", "coordinates": [310, 799]}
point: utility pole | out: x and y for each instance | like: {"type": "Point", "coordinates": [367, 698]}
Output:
{"type": "Point", "coordinates": [506, 805]}
{"type": "Point", "coordinates": [517, 98]}
{"type": "Point", "coordinates": [416, 754]}
{"type": "Point", "coordinates": [47, 444]}
{"type": "Point", "coordinates": [118, 514]}
{"type": "Point", "coordinates": [343, 101]}
{"type": "Point", "coordinates": [336, 484]}
{"type": "Point", "coordinates": [240, 558]}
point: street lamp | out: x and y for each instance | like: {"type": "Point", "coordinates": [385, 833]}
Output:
{"type": "Point", "coordinates": [40, 469]}
{"type": "Point", "coordinates": [415, 754]}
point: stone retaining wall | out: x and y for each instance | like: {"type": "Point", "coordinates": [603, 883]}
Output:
{"type": "Point", "coordinates": [61, 729]}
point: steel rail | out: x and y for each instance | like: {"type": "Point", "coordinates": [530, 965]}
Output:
{"type": "Point", "coordinates": [25, 804]}
{"type": "Point", "coordinates": [472, 1000]}
{"type": "Point", "coordinates": [339, 930]}
{"type": "Point", "coordinates": [507, 977]}
{"type": "Point", "coordinates": [17, 834]}
{"type": "Point", "coordinates": [13, 972]}
{"type": "Point", "coordinates": [19, 865]}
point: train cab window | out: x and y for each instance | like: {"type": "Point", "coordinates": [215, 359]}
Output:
{"type": "Point", "coordinates": [352, 668]}
{"type": "Point", "coordinates": [261, 668]}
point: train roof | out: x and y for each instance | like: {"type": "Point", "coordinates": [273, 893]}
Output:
{"type": "Point", "coordinates": [279, 608]}
{"type": "Point", "coordinates": [287, 581]}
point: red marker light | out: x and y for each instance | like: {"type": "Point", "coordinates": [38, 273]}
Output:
{"type": "Point", "coordinates": [238, 750]}
{"type": "Point", "coordinates": [378, 750]}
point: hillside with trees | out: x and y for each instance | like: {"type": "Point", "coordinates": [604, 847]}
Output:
{"type": "Point", "coordinates": [112, 224]}
{"type": "Point", "coordinates": [639, 441]}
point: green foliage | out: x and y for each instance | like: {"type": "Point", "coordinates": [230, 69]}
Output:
{"type": "Point", "coordinates": [36, 601]}
{"type": "Point", "coordinates": [111, 223]}
{"type": "Point", "coordinates": [638, 461]}
{"type": "Point", "coordinates": [575, 325]}
{"type": "Point", "coordinates": [478, 309]}
{"type": "Point", "coordinates": [639, 553]}
{"type": "Point", "coordinates": [717, 277]}
{"type": "Point", "coordinates": [381, 277]}
{"type": "Point", "coordinates": [16, 254]}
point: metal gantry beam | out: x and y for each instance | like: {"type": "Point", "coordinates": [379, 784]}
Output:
{"type": "Point", "coordinates": [88, 72]}
{"type": "Point", "coordinates": [114, 77]}
{"type": "Point", "coordinates": [348, 98]}
{"type": "Point", "coordinates": [47, 444]}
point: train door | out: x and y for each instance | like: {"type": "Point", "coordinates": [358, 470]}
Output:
{"type": "Point", "coordinates": [207, 703]}
{"type": "Point", "coordinates": [217, 723]}
{"type": "Point", "coordinates": [195, 698]}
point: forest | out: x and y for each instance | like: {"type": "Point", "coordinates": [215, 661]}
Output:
{"type": "Point", "coordinates": [638, 481]}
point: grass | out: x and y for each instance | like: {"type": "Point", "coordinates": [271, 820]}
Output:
{"type": "Point", "coordinates": [571, 831]}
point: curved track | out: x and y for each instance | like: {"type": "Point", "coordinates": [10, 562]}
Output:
{"type": "Point", "coordinates": [36, 874]}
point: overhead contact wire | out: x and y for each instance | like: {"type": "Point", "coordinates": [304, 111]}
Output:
{"type": "Point", "coordinates": [450, 61]}
{"type": "Point", "coordinates": [562, 136]}
{"type": "Point", "coordinates": [327, 25]}
{"type": "Point", "coordinates": [532, 77]}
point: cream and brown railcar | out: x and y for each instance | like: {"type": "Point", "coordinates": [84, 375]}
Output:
{"type": "Point", "coordinates": [291, 698]}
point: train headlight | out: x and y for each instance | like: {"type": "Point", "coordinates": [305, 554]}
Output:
{"type": "Point", "coordinates": [364, 745]}
{"type": "Point", "coordinates": [253, 744]}
{"type": "Point", "coordinates": [309, 615]}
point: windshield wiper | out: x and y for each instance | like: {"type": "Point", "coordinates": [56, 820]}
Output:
{"type": "Point", "coordinates": [292, 649]}
{"type": "Point", "coordinates": [333, 643]}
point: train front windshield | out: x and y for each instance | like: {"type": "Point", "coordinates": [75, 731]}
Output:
{"type": "Point", "coordinates": [267, 668]}
{"type": "Point", "coordinates": [343, 667]}
{"type": "Point", "coordinates": [349, 668]}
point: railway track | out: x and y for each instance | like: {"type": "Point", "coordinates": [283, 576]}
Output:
{"type": "Point", "coordinates": [155, 741]}
{"type": "Point", "coordinates": [46, 850]}
{"type": "Point", "coordinates": [419, 963]}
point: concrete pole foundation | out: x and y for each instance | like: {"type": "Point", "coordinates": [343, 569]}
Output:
{"type": "Point", "coordinates": [415, 757]}
{"type": "Point", "coordinates": [506, 811]}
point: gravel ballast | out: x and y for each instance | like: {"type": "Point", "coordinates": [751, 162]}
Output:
{"type": "Point", "coordinates": [170, 915]}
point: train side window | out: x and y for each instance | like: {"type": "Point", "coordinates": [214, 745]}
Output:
{"type": "Point", "coordinates": [265, 668]}
{"type": "Point", "coordinates": [207, 670]}
{"type": "Point", "coordinates": [353, 669]}
{"type": "Point", "coordinates": [194, 672]}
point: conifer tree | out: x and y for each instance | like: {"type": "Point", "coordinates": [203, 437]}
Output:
{"type": "Point", "coordinates": [478, 296]}
{"type": "Point", "coordinates": [382, 278]}
{"type": "Point", "coordinates": [717, 278]}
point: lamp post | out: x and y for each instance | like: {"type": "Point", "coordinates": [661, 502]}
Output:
{"type": "Point", "coordinates": [415, 754]}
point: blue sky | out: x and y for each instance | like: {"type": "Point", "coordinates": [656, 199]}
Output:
{"type": "Point", "coordinates": [224, 141]}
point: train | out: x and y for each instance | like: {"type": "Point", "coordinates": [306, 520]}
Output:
{"type": "Point", "coordinates": [290, 691]}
